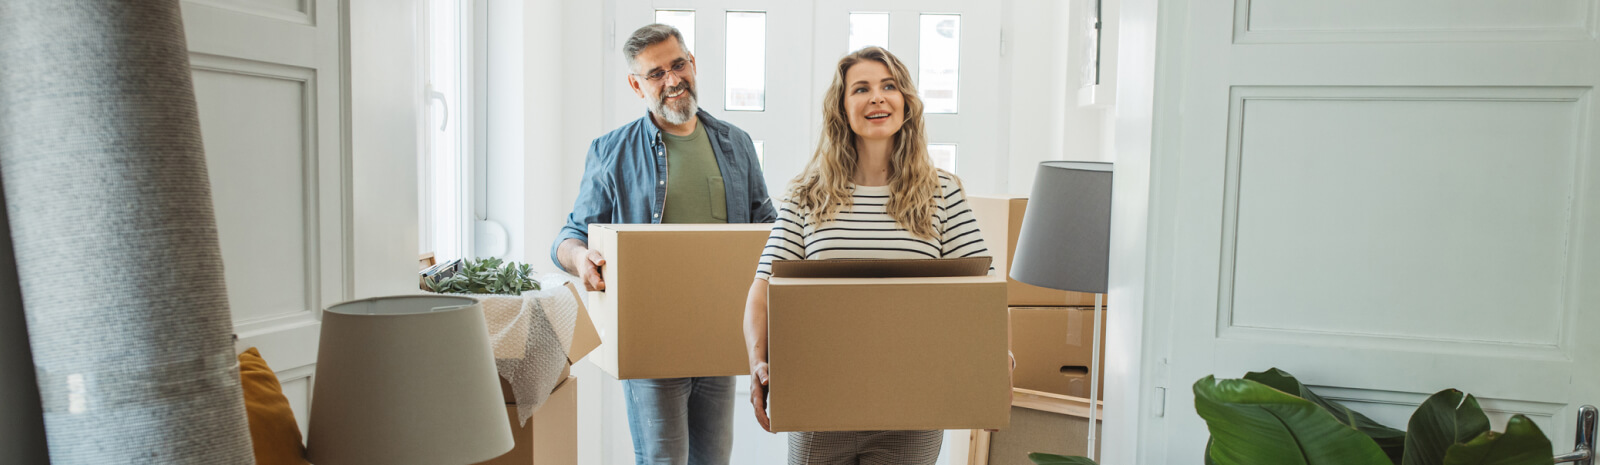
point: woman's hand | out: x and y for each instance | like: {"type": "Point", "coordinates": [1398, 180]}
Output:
{"type": "Point", "coordinates": [758, 394]}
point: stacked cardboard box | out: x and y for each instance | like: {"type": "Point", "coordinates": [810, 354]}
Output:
{"type": "Point", "coordinates": [1052, 331]}
{"type": "Point", "coordinates": [1031, 431]}
{"type": "Point", "coordinates": [551, 436]}
{"type": "Point", "coordinates": [673, 306]}
{"type": "Point", "coordinates": [851, 349]}
{"type": "Point", "coordinates": [1052, 346]}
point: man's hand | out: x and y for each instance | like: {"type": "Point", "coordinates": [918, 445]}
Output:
{"type": "Point", "coordinates": [588, 264]}
{"type": "Point", "coordinates": [758, 394]}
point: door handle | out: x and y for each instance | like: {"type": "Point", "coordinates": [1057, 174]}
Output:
{"type": "Point", "coordinates": [1583, 452]}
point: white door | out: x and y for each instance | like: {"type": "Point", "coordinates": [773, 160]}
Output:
{"type": "Point", "coordinates": [785, 51]}
{"type": "Point", "coordinates": [268, 80]}
{"type": "Point", "coordinates": [1384, 199]}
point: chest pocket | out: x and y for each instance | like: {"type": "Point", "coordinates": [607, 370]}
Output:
{"type": "Point", "coordinates": [719, 198]}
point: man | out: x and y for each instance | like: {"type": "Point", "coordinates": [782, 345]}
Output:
{"type": "Point", "coordinates": [675, 165]}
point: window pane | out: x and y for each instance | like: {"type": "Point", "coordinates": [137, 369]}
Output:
{"type": "Point", "coordinates": [868, 29]}
{"type": "Point", "coordinates": [747, 61]}
{"type": "Point", "coordinates": [938, 62]}
{"type": "Point", "coordinates": [681, 19]}
{"type": "Point", "coordinates": [943, 155]}
{"type": "Point", "coordinates": [445, 219]}
{"type": "Point", "coordinates": [761, 154]}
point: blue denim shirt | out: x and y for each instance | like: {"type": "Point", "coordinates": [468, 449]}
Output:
{"type": "Point", "coordinates": [625, 174]}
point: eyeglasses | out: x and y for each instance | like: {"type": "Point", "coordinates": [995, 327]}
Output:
{"type": "Point", "coordinates": [677, 68]}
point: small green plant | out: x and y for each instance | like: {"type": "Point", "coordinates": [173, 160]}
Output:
{"type": "Point", "coordinates": [487, 276]}
{"type": "Point", "coordinates": [1270, 417]}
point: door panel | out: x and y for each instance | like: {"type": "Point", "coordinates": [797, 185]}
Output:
{"type": "Point", "coordinates": [1384, 201]}
{"type": "Point", "coordinates": [267, 79]}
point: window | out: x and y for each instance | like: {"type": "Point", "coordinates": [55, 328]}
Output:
{"type": "Point", "coordinates": [681, 19]}
{"type": "Point", "coordinates": [868, 29]}
{"type": "Point", "coordinates": [943, 155]}
{"type": "Point", "coordinates": [939, 61]}
{"type": "Point", "coordinates": [442, 195]}
{"type": "Point", "coordinates": [747, 62]}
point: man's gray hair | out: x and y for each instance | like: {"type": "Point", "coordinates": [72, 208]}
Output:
{"type": "Point", "coordinates": [650, 35]}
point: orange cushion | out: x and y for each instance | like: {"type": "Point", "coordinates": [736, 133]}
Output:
{"type": "Point", "coordinates": [272, 426]}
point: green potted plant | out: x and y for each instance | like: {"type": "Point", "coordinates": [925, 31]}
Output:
{"type": "Point", "coordinates": [487, 276]}
{"type": "Point", "coordinates": [1270, 417]}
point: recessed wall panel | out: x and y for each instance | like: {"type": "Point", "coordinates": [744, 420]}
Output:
{"type": "Point", "coordinates": [256, 142]}
{"type": "Point", "coordinates": [1426, 20]}
{"type": "Point", "coordinates": [1396, 213]}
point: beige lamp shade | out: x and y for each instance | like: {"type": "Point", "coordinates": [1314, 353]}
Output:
{"type": "Point", "coordinates": [406, 380]}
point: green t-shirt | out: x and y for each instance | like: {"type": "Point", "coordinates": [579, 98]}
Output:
{"type": "Point", "coordinates": [694, 182]}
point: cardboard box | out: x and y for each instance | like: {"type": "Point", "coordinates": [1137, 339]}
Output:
{"type": "Point", "coordinates": [862, 353]}
{"type": "Point", "coordinates": [1031, 431]}
{"type": "Point", "coordinates": [674, 300]}
{"type": "Point", "coordinates": [503, 315]}
{"type": "Point", "coordinates": [551, 436]}
{"type": "Point", "coordinates": [1053, 349]}
{"type": "Point", "coordinates": [1000, 219]}
{"type": "Point", "coordinates": [505, 386]}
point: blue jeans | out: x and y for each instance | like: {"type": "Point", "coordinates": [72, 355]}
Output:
{"type": "Point", "coordinates": [680, 421]}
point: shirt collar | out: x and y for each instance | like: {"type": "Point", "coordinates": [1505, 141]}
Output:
{"type": "Point", "coordinates": [655, 131]}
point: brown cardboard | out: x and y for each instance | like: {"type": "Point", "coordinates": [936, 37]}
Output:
{"type": "Point", "coordinates": [881, 268]}
{"type": "Point", "coordinates": [505, 386]}
{"type": "Point", "coordinates": [1000, 219]}
{"type": "Point", "coordinates": [585, 338]}
{"type": "Point", "coordinates": [1036, 431]}
{"type": "Point", "coordinates": [551, 436]}
{"type": "Point", "coordinates": [1053, 349]}
{"type": "Point", "coordinates": [887, 353]}
{"type": "Point", "coordinates": [501, 311]}
{"type": "Point", "coordinates": [674, 300]}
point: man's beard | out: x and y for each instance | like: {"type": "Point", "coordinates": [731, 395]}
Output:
{"type": "Point", "coordinates": [678, 112]}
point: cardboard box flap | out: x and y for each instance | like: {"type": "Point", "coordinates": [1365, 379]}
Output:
{"type": "Point", "coordinates": [881, 268]}
{"type": "Point", "coordinates": [585, 338]}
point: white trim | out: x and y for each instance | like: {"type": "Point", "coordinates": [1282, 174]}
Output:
{"type": "Point", "coordinates": [1135, 346]}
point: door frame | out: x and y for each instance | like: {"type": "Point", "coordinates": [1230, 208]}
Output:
{"type": "Point", "coordinates": [1135, 374]}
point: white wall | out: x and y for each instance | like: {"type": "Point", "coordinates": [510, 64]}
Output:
{"type": "Point", "coordinates": [1045, 120]}
{"type": "Point", "coordinates": [384, 107]}
{"type": "Point", "coordinates": [543, 109]}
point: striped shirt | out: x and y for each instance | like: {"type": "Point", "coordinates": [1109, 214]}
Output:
{"type": "Point", "coordinates": [865, 230]}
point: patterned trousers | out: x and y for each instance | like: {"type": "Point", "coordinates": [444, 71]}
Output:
{"type": "Point", "coordinates": [865, 447]}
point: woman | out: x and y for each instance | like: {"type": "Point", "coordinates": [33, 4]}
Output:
{"type": "Point", "coordinates": [870, 191]}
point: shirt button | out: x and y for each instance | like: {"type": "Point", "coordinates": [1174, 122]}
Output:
{"type": "Point", "coordinates": [663, 183]}
{"type": "Point", "coordinates": [658, 215]}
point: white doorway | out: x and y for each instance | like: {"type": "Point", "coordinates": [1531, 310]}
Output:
{"type": "Point", "coordinates": [801, 41]}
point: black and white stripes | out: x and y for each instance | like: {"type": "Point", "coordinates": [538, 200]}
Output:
{"type": "Point", "coordinates": [865, 230]}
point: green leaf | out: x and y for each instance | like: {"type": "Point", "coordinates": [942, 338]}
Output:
{"type": "Point", "coordinates": [1447, 418]}
{"type": "Point", "coordinates": [1522, 444]}
{"type": "Point", "coordinates": [1253, 424]}
{"type": "Point", "coordinates": [1392, 441]}
{"type": "Point", "coordinates": [1053, 459]}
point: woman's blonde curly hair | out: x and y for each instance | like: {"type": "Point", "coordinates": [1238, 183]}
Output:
{"type": "Point", "coordinates": [823, 187]}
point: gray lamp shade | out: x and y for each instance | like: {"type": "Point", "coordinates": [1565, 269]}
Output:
{"type": "Point", "coordinates": [1065, 241]}
{"type": "Point", "coordinates": [406, 380]}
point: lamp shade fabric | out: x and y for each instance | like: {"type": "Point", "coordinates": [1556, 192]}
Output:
{"type": "Point", "coordinates": [1065, 241]}
{"type": "Point", "coordinates": [406, 380]}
